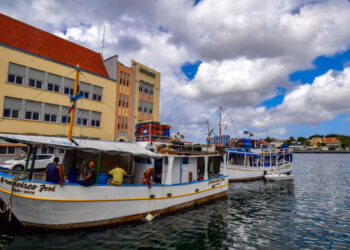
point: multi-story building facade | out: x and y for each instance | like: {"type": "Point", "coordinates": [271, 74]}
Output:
{"type": "Point", "coordinates": [137, 96]}
{"type": "Point", "coordinates": [146, 95]}
{"type": "Point", "coordinates": [37, 78]}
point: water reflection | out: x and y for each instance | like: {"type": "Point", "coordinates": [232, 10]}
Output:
{"type": "Point", "coordinates": [311, 211]}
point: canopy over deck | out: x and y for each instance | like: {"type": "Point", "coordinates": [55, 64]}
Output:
{"type": "Point", "coordinates": [88, 145]}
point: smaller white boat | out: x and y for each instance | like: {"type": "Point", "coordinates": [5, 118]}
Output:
{"type": "Point", "coordinates": [278, 177]}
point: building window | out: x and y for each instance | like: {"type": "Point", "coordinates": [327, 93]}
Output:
{"type": "Point", "coordinates": [146, 91]}
{"type": "Point", "coordinates": [97, 97]}
{"type": "Point", "coordinates": [35, 83]}
{"type": "Point", "coordinates": [68, 91]}
{"type": "Point", "coordinates": [53, 87]}
{"type": "Point", "coordinates": [79, 121]}
{"type": "Point", "coordinates": [151, 92]}
{"type": "Point", "coordinates": [7, 150]}
{"type": "Point", "coordinates": [15, 79]}
{"type": "Point", "coordinates": [51, 150]}
{"type": "Point", "coordinates": [85, 122]}
{"type": "Point", "coordinates": [145, 110]}
{"type": "Point", "coordinates": [65, 119]}
{"type": "Point", "coordinates": [86, 95]}
{"type": "Point", "coordinates": [140, 89]}
{"type": "Point", "coordinates": [12, 113]}
{"type": "Point", "coordinates": [61, 151]}
{"type": "Point", "coordinates": [93, 123]}
{"type": "Point", "coordinates": [32, 115]}
{"type": "Point", "coordinates": [50, 118]}
{"type": "Point", "coordinates": [44, 150]}
{"type": "Point", "coordinates": [140, 108]}
{"type": "Point", "coordinates": [150, 111]}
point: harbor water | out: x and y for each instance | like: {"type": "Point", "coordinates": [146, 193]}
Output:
{"type": "Point", "coordinates": [312, 211]}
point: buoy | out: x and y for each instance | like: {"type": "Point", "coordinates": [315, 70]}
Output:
{"type": "Point", "coordinates": [149, 217]}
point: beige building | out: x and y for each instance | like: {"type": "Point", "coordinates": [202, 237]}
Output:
{"type": "Point", "coordinates": [37, 78]}
{"type": "Point", "coordinates": [146, 94]}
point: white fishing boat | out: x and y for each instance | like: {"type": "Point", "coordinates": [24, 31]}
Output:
{"type": "Point", "coordinates": [248, 164]}
{"type": "Point", "coordinates": [38, 203]}
{"type": "Point", "coordinates": [278, 177]}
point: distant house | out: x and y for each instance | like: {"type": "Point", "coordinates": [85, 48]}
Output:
{"type": "Point", "coordinates": [325, 143]}
{"type": "Point", "coordinates": [297, 147]}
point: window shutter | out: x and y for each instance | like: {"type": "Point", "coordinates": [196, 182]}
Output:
{"type": "Point", "coordinates": [54, 79]}
{"type": "Point", "coordinates": [68, 83]}
{"type": "Point", "coordinates": [97, 90]}
{"type": "Point", "coordinates": [82, 113]}
{"type": "Point", "coordinates": [36, 74]}
{"type": "Point", "coordinates": [33, 106]}
{"type": "Point", "coordinates": [84, 87]}
{"type": "Point", "coordinates": [17, 69]}
{"type": "Point", "coordinates": [51, 109]}
{"type": "Point", "coordinates": [65, 111]}
{"type": "Point", "coordinates": [12, 103]}
{"type": "Point", "coordinates": [95, 115]}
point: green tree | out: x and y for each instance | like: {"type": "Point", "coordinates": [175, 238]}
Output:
{"type": "Point", "coordinates": [313, 136]}
{"type": "Point", "coordinates": [291, 139]}
{"type": "Point", "coordinates": [302, 140]}
{"type": "Point", "coordinates": [268, 139]}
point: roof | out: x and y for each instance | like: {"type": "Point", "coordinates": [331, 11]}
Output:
{"type": "Point", "coordinates": [329, 140]}
{"type": "Point", "coordinates": [88, 145]}
{"type": "Point", "coordinates": [22, 36]}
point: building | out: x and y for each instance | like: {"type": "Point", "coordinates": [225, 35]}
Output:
{"type": "Point", "coordinates": [325, 143]}
{"type": "Point", "coordinates": [37, 77]}
{"type": "Point", "coordinates": [137, 97]}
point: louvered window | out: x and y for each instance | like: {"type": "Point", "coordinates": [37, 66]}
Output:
{"type": "Point", "coordinates": [82, 117]}
{"type": "Point", "coordinates": [16, 73]}
{"type": "Point", "coordinates": [97, 93]}
{"type": "Point", "coordinates": [32, 110]}
{"type": "Point", "coordinates": [68, 86]}
{"type": "Point", "coordinates": [53, 82]}
{"type": "Point", "coordinates": [51, 112]}
{"type": "Point", "coordinates": [12, 107]}
{"type": "Point", "coordinates": [84, 89]}
{"type": "Point", "coordinates": [65, 115]}
{"type": "Point", "coordinates": [36, 78]}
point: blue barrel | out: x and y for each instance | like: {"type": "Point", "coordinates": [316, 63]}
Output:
{"type": "Point", "coordinates": [102, 178]}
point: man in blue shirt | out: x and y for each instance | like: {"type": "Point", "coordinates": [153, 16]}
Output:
{"type": "Point", "coordinates": [54, 172]}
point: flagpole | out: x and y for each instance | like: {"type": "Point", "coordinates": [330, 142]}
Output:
{"type": "Point", "coordinates": [73, 99]}
{"type": "Point", "coordinates": [220, 127]}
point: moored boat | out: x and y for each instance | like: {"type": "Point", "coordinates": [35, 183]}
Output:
{"type": "Point", "coordinates": [38, 203]}
{"type": "Point", "coordinates": [248, 164]}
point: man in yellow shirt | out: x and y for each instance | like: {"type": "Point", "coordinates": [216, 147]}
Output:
{"type": "Point", "coordinates": [118, 174]}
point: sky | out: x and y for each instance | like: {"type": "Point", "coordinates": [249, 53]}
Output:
{"type": "Point", "coordinates": [278, 68]}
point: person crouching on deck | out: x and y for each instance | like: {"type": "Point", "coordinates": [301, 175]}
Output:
{"type": "Point", "coordinates": [147, 177]}
{"type": "Point", "coordinates": [54, 172]}
{"type": "Point", "coordinates": [90, 178]}
{"type": "Point", "coordinates": [118, 174]}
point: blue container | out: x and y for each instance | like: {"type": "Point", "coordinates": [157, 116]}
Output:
{"type": "Point", "coordinates": [246, 140]}
{"type": "Point", "coordinates": [102, 178]}
{"type": "Point", "coordinates": [248, 145]}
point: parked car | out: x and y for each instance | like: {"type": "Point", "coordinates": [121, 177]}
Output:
{"type": "Point", "coordinates": [41, 162]}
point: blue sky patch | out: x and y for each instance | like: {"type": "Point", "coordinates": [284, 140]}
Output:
{"type": "Point", "coordinates": [190, 69]}
{"type": "Point", "coordinates": [322, 65]}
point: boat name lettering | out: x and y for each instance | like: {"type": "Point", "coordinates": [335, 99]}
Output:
{"type": "Point", "coordinates": [43, 187]}
{"type": "Point", "coordinates": [19, 184]}
{"type": "Point", "coordinates": [217, 181]}
{"type": "Point", "coordinates": [26, 186]}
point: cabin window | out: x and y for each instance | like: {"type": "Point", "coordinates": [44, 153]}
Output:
{"type": "Point", "coordinates": [61, 151]}
{"type": "Point", "coordinates": [185, 160]}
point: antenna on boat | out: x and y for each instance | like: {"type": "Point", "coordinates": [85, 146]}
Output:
{"type": "Point", "coordinates": [73, 99]}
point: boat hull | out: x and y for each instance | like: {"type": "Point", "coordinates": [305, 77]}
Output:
{"type": "Point", "coordinates": [237, 173]}
{"type": "Point", "coordinates": [75, 206]}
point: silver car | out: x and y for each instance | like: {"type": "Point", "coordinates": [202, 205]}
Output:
{"type": "Point", "coordinates": [41, 162]}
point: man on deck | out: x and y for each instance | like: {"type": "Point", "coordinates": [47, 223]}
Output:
{"type": "Point", "coordinates": [90, 178]}
{"type": "Point", "coordinates": [118, 174]}
{"type": "Point", "coordinates": [54, 172]}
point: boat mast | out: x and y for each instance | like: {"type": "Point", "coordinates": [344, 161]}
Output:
{"type": "Point", "coordinates": [74, 99]}
{"type": "Point", "coordinates": [220, 127]}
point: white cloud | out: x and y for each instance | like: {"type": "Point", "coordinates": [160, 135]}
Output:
{"type": "Point", "coordinates": [248, 48]}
